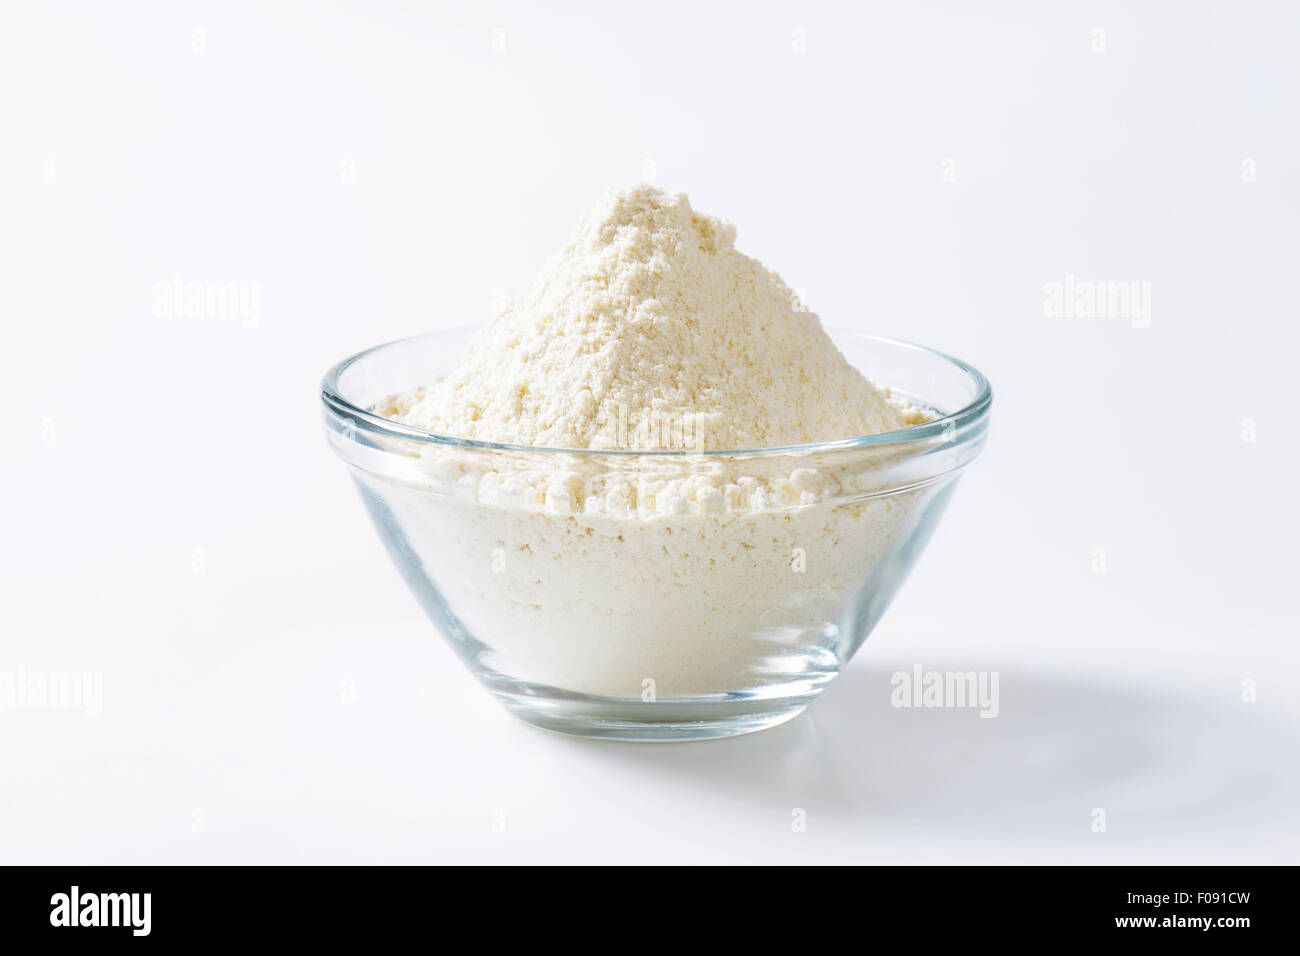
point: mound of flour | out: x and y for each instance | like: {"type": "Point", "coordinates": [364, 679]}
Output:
{"type": "Point", "coordinates": [650, 331]}
{"type": "Point", "coordinates": [701, 575]}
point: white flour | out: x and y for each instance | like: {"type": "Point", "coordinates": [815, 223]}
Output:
{"type": "Point", "coordinates": [650, 331]}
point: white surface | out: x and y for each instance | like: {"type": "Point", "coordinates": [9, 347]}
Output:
{"type": "Point", "coordinates": [381, 172]}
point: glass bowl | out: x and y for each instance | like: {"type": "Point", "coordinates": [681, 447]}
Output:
{"type": "Point", "coordinates": [664, 595]}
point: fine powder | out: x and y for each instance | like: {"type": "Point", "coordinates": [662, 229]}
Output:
{"type": "Point", "coordinates": [598, 575]}
{"type": "Point", "coordinates": [650, 331]}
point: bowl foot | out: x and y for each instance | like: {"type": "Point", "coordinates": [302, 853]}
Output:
{"type": "Point", "coordinates": [662, 722]}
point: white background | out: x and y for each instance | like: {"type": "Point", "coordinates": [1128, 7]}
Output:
{"type": "Point", "coordinates": [173, 521]}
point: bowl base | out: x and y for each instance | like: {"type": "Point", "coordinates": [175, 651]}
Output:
{"type": "Point", "coordinates": [663, 722]}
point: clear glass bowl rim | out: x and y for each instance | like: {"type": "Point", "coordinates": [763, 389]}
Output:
{"type": "Point", "coordinates": [958, 422]}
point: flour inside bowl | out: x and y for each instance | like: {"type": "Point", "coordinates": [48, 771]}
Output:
{"type": "Point", "coordinates": [650, 331]}
{"type": "Point", "coordinates": [689, 574]}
